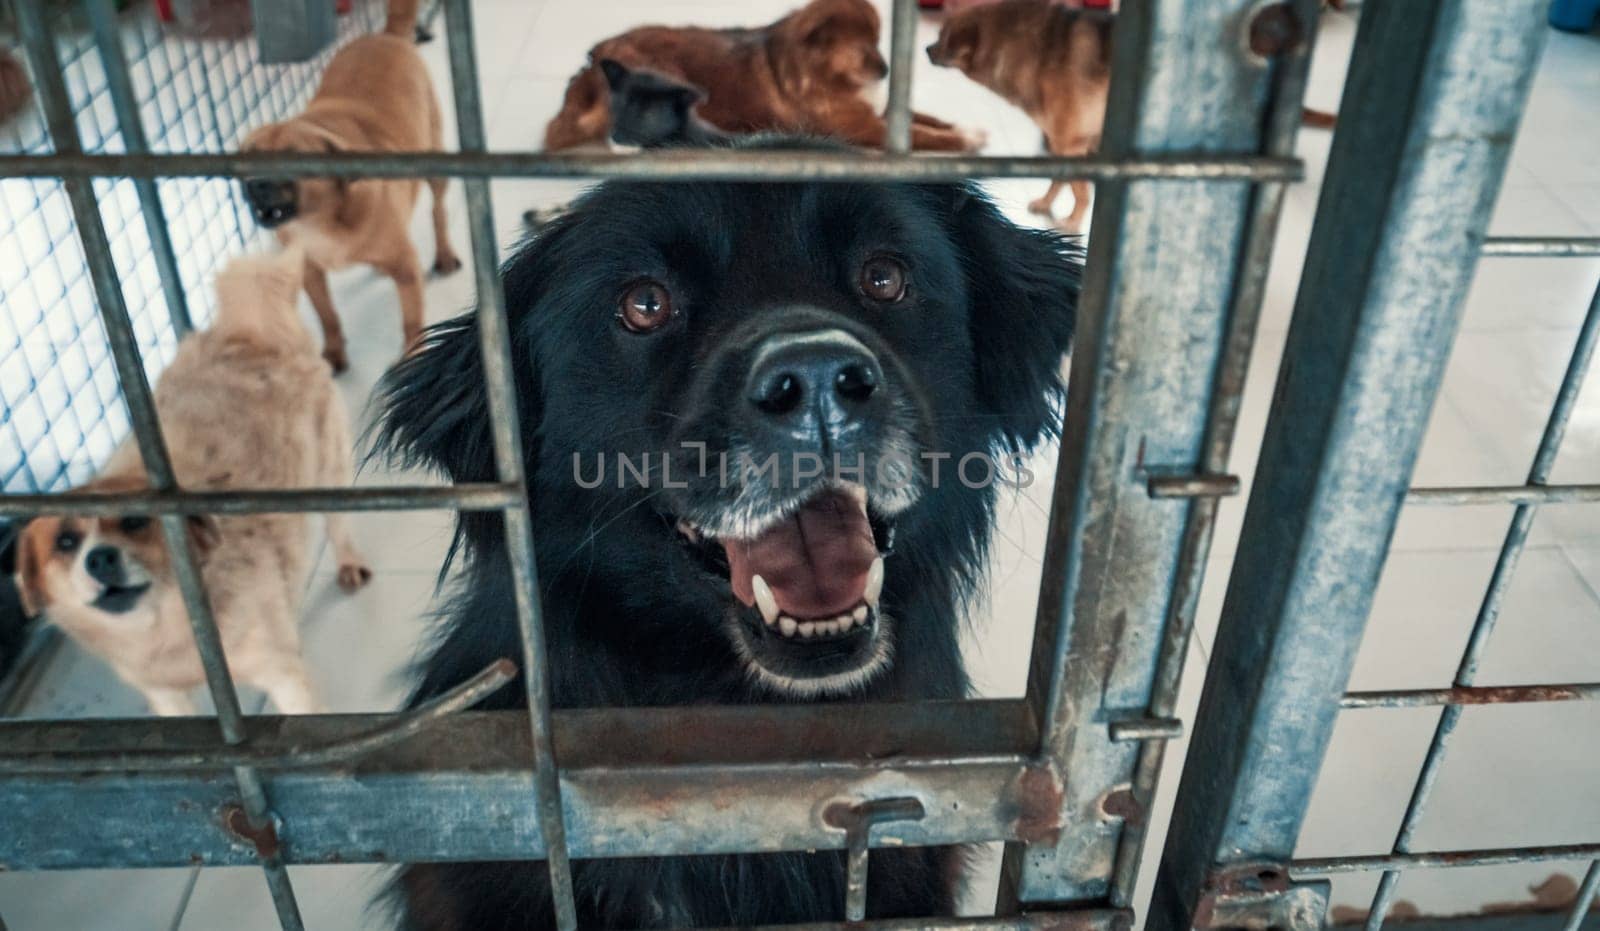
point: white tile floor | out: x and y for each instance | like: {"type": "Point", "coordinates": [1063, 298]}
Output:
{"type": "Point", "coordinates": [1516, 774]}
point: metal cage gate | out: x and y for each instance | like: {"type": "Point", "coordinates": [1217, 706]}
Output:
{"type": "Point", "coordinates": [1197, 149]}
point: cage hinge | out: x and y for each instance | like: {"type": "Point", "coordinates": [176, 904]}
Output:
{"type": "Point", "coordinates": [1259, 896]}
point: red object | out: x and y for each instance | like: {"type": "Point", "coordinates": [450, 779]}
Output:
{"type": "Point", "coordinates": [344, 6]}
{"type": "Point", "coordinates": [930, 4]}
{"type": "Point", "coordinates": [1097, 4]}
{"type": "Point", "coordinates": [164, 10]}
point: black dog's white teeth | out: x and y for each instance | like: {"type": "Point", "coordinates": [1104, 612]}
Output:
{"type": "Point", "coordinates": [764, 599]}
{"type": "Point", "coordinates": [874, 589]}
{"type": "Point", "coordinates": [689, 531]}
{"type": "Point", "coordinates": [793, 629]}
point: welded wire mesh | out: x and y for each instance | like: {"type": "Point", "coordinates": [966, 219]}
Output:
{"type": "Point", "coordinates": [60, 410]}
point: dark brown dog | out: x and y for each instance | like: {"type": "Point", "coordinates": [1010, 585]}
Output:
{"type": "Point", "coordinates": [807, 73]}
{"type": "Point", "coordinates": [375, 96]}
{"type": "Point", "coordinates": [1051, 61]}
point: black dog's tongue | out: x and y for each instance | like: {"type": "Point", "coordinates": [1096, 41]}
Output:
{"type": "Point", "coordinates": [815, 561]}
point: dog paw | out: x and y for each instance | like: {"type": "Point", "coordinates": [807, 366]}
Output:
{"type": "Point", "coordinates": [973, 140]}
{"type": "Point", "coordinates": [1073, 226]}
{"type": "Point", "coordinates": [353, 576]}
{"type": "Point", "coordinates": [337, 360]}
{"type": "Point", "coordinates": [1041, 207]}
{"type": "Point", "coordinates": [446, 264]}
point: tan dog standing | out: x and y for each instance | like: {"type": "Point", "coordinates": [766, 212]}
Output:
{"type": "Point", "coordinates": [244, 404]}
{"type": "Point", "coordinates": [375, 96]}
{"type": "Point", "coordinates": [1051, 61]}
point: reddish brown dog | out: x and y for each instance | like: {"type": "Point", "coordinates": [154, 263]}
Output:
{"type": "Point", "coordinates": [809, 72]}
{"type": "Point", "coordinates": [375, 96]}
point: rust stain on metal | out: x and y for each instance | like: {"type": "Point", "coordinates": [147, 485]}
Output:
{"type": "Point", "coordinates": [1496, 695]}
{"type": "Point", "coordinates": [1275, 30]}
{"type": "Point", "coordinates": [1039, 794]}
{"type": "Point", "coordinates": [263, 838]}
{"type": "Point", "coordinates": [1079, 921]}
{"type": "Point", "coordinates": [1123, 804]}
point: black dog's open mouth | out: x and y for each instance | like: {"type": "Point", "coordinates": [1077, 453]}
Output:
{"type": "Point", "coordinates": [806, 590]}
{"type": "Point", "coordinates": [119, 598]}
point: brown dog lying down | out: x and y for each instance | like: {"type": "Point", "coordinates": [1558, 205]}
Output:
{"type": "Point", "coordinates": [807, 73]}
{"type": "Point", "coordinates": [244, 404]}
{"type": "Point", "coordinates": [375, 96]}
{"type": "Point", "coordinates": [1054, 62]}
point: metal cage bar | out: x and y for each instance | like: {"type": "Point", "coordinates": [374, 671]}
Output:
{"type": "Point", "coordinates": [1544, 460]}
{"type": "Point", "coordinates": [506, 432]}
{"type": "Point", "coordinates": [1126, 422]}
{"type": "Point", "coordinates": [108, 42]}
{"type": "Point", "coordinates": [685, 164]}
{"type": "Point", "coordinates": [1407, 194]}
{"type": "Point", "coordinates": [256, 810]}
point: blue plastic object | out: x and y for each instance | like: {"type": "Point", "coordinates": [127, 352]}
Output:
{"type": "Point", "coordinates": [1574, 15]}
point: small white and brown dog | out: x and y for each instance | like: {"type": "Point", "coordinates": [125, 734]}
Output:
{"type": "Point", "coordinates": [246, 404]}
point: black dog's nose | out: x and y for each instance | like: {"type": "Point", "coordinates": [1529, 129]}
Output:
{"type": "Point", "coordinates": [104, 565]}
{"type": "Point", "coordinates": [826, 376]}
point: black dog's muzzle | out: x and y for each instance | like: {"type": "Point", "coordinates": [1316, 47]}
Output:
{"type": "Point", "coordinates": [272, 200]}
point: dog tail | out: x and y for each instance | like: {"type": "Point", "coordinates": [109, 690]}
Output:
{"type": "Point", "coordinates": [402, 20]}
{"type": "Point", "coordinates": [260, 295]}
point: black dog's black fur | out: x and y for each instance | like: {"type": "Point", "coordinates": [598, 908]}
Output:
{"type": "Point", "coordinates": [653, 111]}
{"type": "Point", "coordinates": [982, 333]}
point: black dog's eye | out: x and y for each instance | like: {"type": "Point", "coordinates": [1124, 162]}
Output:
{"type": "Point", "coordinates": [645, 306]}
{"type": "Point", "coordinates": [883, 279]}
{"type": "Point", "coordinates": [134, 524]}
{"type": "Point", "coordinates": [67, 541]}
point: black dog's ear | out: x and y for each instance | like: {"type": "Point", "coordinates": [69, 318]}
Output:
{"type": "Point", "coordinates": [687, 96]}
{"type": "Point", "coordinates": [1023, 286]}
{"type": "Point", "coordinates": [432, 407]}
{"type": "Point", "coordinates": [615, 72]}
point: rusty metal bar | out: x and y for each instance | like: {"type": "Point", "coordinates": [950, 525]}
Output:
{"type": "Point", "coordinates": [41, 48]}
{"type": "Point", "coordinates": [1554, 247]}
{"type": "Point", "coordinates": [637, 782]}
{"type": "Point", "coordinates": [1441, 859]}
{"type": "Point", "coordinates": [1283, 123]}
{"type": "Point", "coordinates": [902, 49]}
{"type": "Point", "coordinates": [1408, 193]}
{"type": "Point", "coordinates": [1206, 485]}
{"type": "Point", "coordinates": [1125, 565]}
{"type": "Point", "coordinates": [506, 432]}
{"type": "Point", "coordinates": [1489, 610]}
{"type": "Point", "coordinates": [1476, 695]}
{"type": "Point", "coordinates": [483, 496]}
{"type": "Point", "coordinates": [1503, 494]}
{"type": "Point", "coordinates": [395, 729]}
{"type": "Point", "coordinates": [663, 165]}
{"type": "Point", "coordinates": [857, 821]}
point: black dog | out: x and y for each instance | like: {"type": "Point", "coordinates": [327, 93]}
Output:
{"type": "Point", "coordinates": [701, 328]}
{"type": "Point", "coordinates": [652, 111]}
{"type": "Point", "coordinates": [648, 111]}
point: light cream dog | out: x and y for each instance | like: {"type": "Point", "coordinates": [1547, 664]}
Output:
{"type": "Point", "coordinates": [247, 403]}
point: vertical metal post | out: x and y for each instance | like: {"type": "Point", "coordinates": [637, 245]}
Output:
{"type": "Point", "coordinates": [1585, 900]}
{"type": "Point", "coordinates": [1409, 187]}
{"type": "Point", "coordinates": [902, 46]}
{"type": "Point", "coordinates": [1175, 272]}
{"type": "Point", "coordinates": [41, 47]}
{"type": "Point", "coordinates": [107, 39]}
{"type": "Point", "coordinates": [507, 433]}
{"type": "Point", "coordinates": [1505, 566]}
